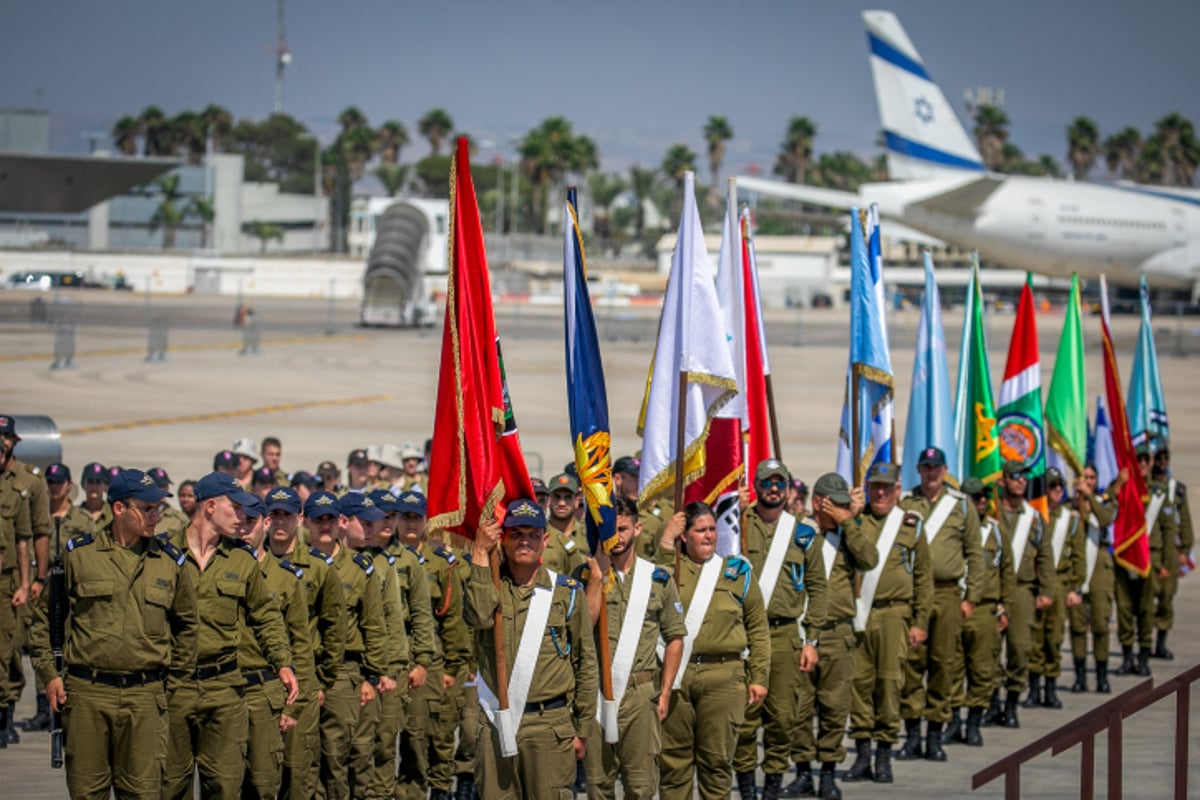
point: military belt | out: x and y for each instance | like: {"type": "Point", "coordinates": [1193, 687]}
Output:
{"type": "Point", "coordinates": [946, 584]}
{"type": "Point", "coordinates": [715, 658]}
{"type": "Point", "coordinates": [208, 671]}
{"type": "Point", "coordinates": [779, 622]}
{"type": "Point", "coordinates": [119, 680]}
{"type": "Point", "coordinates": [833, 623]}
{"type": "Point", "coordinates": [889, 603]}
{"type": "Point", "coordinates": [546, 705]}
{"type": "Point", "coordinates": [352, 658]}
{"type": "Point", "coordinates": [258, 678]}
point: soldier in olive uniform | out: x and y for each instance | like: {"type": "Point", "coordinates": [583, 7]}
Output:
{"type": "Point", "coordinates": [551, 721]}
{"type": "Point", "coordinates": [16, 535]}
{"type": "Point", "coordinates": [131, 621]}
{"type": "Point", "coordinates": [94, 480]}
{"type": "Point", "coordinates": [652, 514]}
{"type": "Point", "coordinates": [326, 615]}
{"type": "Point", "coordinates": [797, 582]}
{"type": "Point", "coordinates": [951, 528]}
{"type": "Point", "coordinates": [1049, 624]}
{"type": "Point", "coordinates": [1096, 513]}
{"type": "Point", "coordinates": [1181, 544]}
{"type": "Point", "coordinates": [644, 689]}
{"type": "Point", "coordinates": [566, 545]}
{"type": "Point", "coordinates": [208, 718]}
{"type": "Point", "coordinates": [1135, 594]}
{"type": "Point", "coordinates": [173, 521]}
{"type": "Point", "coordinates": [894, 618]}
{"type": "Point", "coordinates": [465, 696]}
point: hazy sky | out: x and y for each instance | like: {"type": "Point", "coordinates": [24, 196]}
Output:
{"type": "Point", "coordinates": [636, 75]}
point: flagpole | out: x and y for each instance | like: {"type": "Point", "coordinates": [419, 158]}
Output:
{"type": "Point", "coordinates": [855, 433]}
{"type": "Point", "coordinates": [606, 685]}
{"type": "Point", "coordinates": [498, 634]}
{"type": "Point", "coordinates": [680, 435]}
{"type": "Point", "coordinates": [774, 420]}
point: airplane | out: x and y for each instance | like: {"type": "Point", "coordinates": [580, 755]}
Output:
{"type": "Point", "coordinates": [1053, 227]}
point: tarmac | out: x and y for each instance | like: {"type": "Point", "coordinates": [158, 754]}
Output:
{"type": "Point", "coordinates": [324, 386]}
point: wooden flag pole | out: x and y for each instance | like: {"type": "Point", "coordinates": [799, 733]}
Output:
{"type": "Point", "coordinates": [680, 433]}
{"type": "Point", "coordinates": [774, 420]}
{"type": "Point", "coordinates": [606, 685]}
{"type": "Point", "coordinates": [498, 633]}
{"type": "Point", "coordinates": [855, 432]}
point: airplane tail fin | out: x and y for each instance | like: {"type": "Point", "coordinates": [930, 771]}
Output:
{"type": "Point", "coordinates": [924, 137]}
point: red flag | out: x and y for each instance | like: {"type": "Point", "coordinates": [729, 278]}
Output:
{"type": "Point", "coordinates": [1131, 541]}
{"type": "Point", "coordinates": [476, 463]}
{"type": "Point", "coordinates": [758, 433]}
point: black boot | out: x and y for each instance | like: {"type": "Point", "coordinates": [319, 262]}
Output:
{"type": "Point", "coordinates": [746, 787]}
{"type": "Point", "coordinates": [1127, 666]}
{"type": "Point", "coordinates": [912, 742]}
{"type": "Point", "coordinates": [1160, 647]}
{"type": "Point", "coordinates": [974, 737]}
{"type": "Point", "coordinates": [802, 786]}
{"type": "Point", "coordinates": [1010, 710]}
{"type": "Point", "coordinates": [772, 787]}
{"type": "Point", "coordinates": [40, 721]}
{"type": "Point", "coordinates": [1050, 694]}
{"type": "Point", "coordinates": [1102, 686]}
{"type": "Point", "coordinates": [1143, 663]}
{"type": "Point", "coordinates": [3, 725]}
{"type": "Point", "coordinates": [994, 713]}
{"type": "Point", "coordinates": [10, 729]}
{"type": "Point", "coordinates": [860, 770]}
{"type": "Point", "coordinates": [1080, 684]}
{"type": "Point", "coordinates": [464, 788]}
{"type": "Point", "coordinates": [883, 763]}
{"type": "Point", "coordinates": [954, 731]}
{"type": "Point", "coordinates": [580, 786]}
{"type": "Point", "coordinates": [439, 794]}
{"type": "Point", "coordinates": [933, 743]}
{"type": "Point", "coordinates": [1034, 698]}
{"type": "Point", "coordinates": [829, 789]}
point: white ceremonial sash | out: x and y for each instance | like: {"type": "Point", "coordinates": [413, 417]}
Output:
{"type": "Point", "coordinates": [774, 562]}
{"type": "Point", "coordinates": [1021, 535]}
{"type": "Point", "coordinates": [508, 720]}
{"type": "Point", "coordinates": [627, 644]}
{"type": "Point", "coordinates": [1153, 510]}
{"type": "Point", "coordinates": [1091, 550]}
{"type": "Point", "coordinates": [699, 607]}
{"type": "Point", "coordinates": [830, 544]}
{"type": "Point", "coordinates": [1058, 540]}
{"type": "Point", "coordinates": [938, 517]}
{"type": "Point", "coordinates": [870, 581]}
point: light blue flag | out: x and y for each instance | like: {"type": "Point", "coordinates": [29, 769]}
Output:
{"type": "Point", "coordinates": [930, 412]}
{"type": "Point", "coordinates": [1104, 453]}
{"type": "Point", "coordinates": [870, 359]}
{"type": "Point", "coordinates": [587, 398]}
{"type": "Point", "coordinates": [1147, 408]}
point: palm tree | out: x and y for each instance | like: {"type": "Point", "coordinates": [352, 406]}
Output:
{"type": "Point", "coordinates": [264, 232]}
{"type": "Point", "coordinates": [218, 124]}
{"type": "Point", "coordinates": [392, 137]}
{"type": "Point", "coordinates": [187, 132]}
{"type": "Point", "coordinates": [991, 132]}
{"type": "Point", "coordinates": [1083, 144]}
{"type": "Point", "coordinates": [1011, 158]}
{"type": "Point", "coordinates": [157, 132]}
{"type": "Point", "coordinates": [392, 176]}
{"type": "Point", "coordinates": [1121, 152]}
{"type": "Point", "coordinates": [434, 126]}
{"type": "Point", "coordinates": [841, 170]}
{"type": "Point", "coordinates": [202, 208]}
{"type": "Point", "coordinates": [169, 213]}
{"type": "Point", "coordinates": [641, 182]}
{"type": "Point", "coordinates": [351, 118]}
{"type": "Point", "coordinates": [548, 153]}
{"type": "Point", "coordinates": [125, 132]}
{"type": "Point", "coordinates": [717, 131]}
{"type": "Point", "coordinates": [1179, 148]}
{"type": "Point", "coordinates": [678, 160]}
{"type": "Point", "coordinates": [1049, 165]}
{"type": "Point", "coordinates": [603, 188]}
{"type": "Point", "coordinates": [795, 152]}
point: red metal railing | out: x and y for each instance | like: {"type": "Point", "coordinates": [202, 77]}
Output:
{"type": "Point", "coordinates": [1083, 730]}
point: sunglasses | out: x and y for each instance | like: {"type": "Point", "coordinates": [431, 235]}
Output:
{"type": "Point", "coordinates": [770, 484]}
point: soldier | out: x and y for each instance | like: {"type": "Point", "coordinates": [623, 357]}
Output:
{"type": "Point", "coordinates": [1181, 543]}
{"type": "Point", "coordinates": [187, 499]}
{"type": "Point", "coordinates": [358, 471]}
{"type": "Point", "coordinates": [94, 481]}
{"type": "Point", "coordinates": [951, 529]}
{"type": "Point", "coordinates": [208, 718]}
{"type": "Point", "coordinates": [547, 646]}
{"type": "Point", "coordinates": [262, 481]}
{"type": "Point", "coordinates": [566, 546]}
{"type": "Point", "coordinates": [304, 484]}
{"type": "Point", "coordinates": [798, 499]}
{"type": "Point", "coordinates": [791, 576]}
{"type": "Point", "coordinates": [893, 615]}
{"type": "Point", "coordinates": [642, 606]}
{"type": "Point", "coordinates": [652, 515]}
{"type": "Point", "coordinates": [330, 477]}
{"type": "Point", "coordinates": [541, 493]}
{"type": "Point", "coordinates": [227, 463]}
{"type": "Point", "coordinates": [173, 521]}
{"type": "Point", "coordinates": [1135, 594]}
{"type": "Point", "coordinates": [412, 478]}
{"type": "Point", "coordinates": [1097, 513]}
{"type": "Point", "coordinates": [327, 639]}
{"type": "Point", "coordinates": [131, 620]}
{"type": "Point", "coordinates": [16, 534]}
{"type": "Point", "coordinates": [1066, 547]}
{"type": "Point", "coordinates": [272, 453]}
{"type": "Point", "coordinates": [247, 457]}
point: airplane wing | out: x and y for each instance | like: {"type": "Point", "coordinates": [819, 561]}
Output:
{"type": "Point", "coordinates": [962, 201]}
{"type": "Point", "coordinates": [826, 198]}
{"type": "Point", "coordinates": [1175, 264]}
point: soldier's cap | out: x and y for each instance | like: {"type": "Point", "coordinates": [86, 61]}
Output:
{"type": "Point", "coordinates": [409, 451]}
{"type": "Point", "coordinates": [883, 473]}
{"type": "Point", "coordinates": [628, 465]}
{"type": "Point", "coordinates": [220, 484]}
{"type": "Point", "coordinates": [1012, 468]}
{"type": "Point", "coordinates": [1142, 449]}
{"type": "Point", "coordinates": [801, 486]}
{"type": "Point", "coordinates": [411, 503]}
{"type": "Point", "coordinates": [388, 455]}
{"type": "Point", "coordinates": [539, 487]}
{"type": "Point", "coordinates": [58, 473]}
{"type": "Point", "coordinates": [769, 467]}
{"type": "Point", "coordinates": [570, 469]}
{"type": "Point", "coordinates": [327, 468]}
{"type": "Point", "coordinates": [384, 500]}
{"type": "Point", "coordinates": [322, 504]}
{"type": "Point", "coordinates": [358, 504]}
{"type": "Point", "coordinates": [226, 459]}
{"type": "Point", "coordinates": [834, 487]}
{"type": "Point", "coordinates": [1054, 477]}
{"type": "Point", "coordinates": [284, 498]}
{"type": "Point", "coordinates": [246, 447]}
{"type": "Point", "coordinates": [113, 472]}
{"type": "Point", "coordinates": [161, 479]}
{"type": "Point", "coordinates": [95, 471]}
{"type": "Point", "coordinates": [135, 484]}
{"type": "Point", "coordinates": [263, 475]}
{"type": "Point", "coordinates": [972, 486]}
{"type": "Point", "coordinates": [563, 481]}
{"type": "Point", "coordinates": [303, 478]}
{"type": "Point", "coordinates": [256, 509]}
{"type": "Point", "coordinates": [524, 514]}
{"type": "Point", "coordinates": [932, 457]}
{"type": "Point", "coordinates": [358, 457]}
{"type": "Point", "coordinates": [8, 427]}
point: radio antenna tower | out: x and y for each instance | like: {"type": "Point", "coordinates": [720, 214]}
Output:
{"type": "Point", "coordinates": [283, 56]}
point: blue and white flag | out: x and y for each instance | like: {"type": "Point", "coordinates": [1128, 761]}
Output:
{"type": "Point", "coordinates": [930, 410]}
{"type": "Point", "coordinates": [869, 381]}
{"type": "Point", "coordinates": [587, 398]}
{"type": "Point", "coordinates": [1104, 453]}
{"type": "Point", "coordinates": [1146, 406]}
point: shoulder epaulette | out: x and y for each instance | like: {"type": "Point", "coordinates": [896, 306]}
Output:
{"type": "Point", "coordinates": [467, 558]}
{"type": "Point", "coordinates": [955, 493]}
{"type": "Point", "coordinates": [446, 553]}
{"type": "Point", "coordinates": [803, 535]}
{"type": "Point", "coordinates": [32, 470]}
{"type": "Point", "coordinates": [292, 568]}
{"type": "Point", "coordinates": [240, 544]}
{"type": "Point", "coordinates": [568, 581]}
{"type": "Point", "coordinates": [80, 541]}
{"type": "Point", "coordinates": [315, 552]}
{"type": "Point", "coordinates": [416, 553]}
{"type": "Point", "coordinates": [660, 575]}
{"type": "Point", "coordinates": [173, 552]}
{"type": "Point", "coordinates": [365, 563]}
{"type": "Point", "coordinates": [735, 566]}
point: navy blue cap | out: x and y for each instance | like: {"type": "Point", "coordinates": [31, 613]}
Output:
{"type": "Point", "coordinates": [95, 471]}
{"type": "Point", "coordinates": [358, 504]}
{"type": "Point", "coordinates": [932, 457]}
{"type": "Point", "coordinates": [305, 479]}
{"type": "Point", "coordinates": [284, 498]}
{"type": "Point", "coordinates": [225, 459]}
{"type": "Point", "coordinates": [133, 483]}
{"type": "Point", "coordinates": [384, 499]}
{"type": "Point", "coordinates": [113, 472]}
{"type": "Point", "coordinates": [255, 509]}
{"type": "Point", "coordinates": [322, 504]}
{"type": "Point", "coordinates": [58, 473]}
{"type": "Point", "coordinates": [524, 513]}
{"type": "Point", "coordinates": [8, 427]}
{"type": "Point", "coordinates": [263, 475]}
{"type": "Point", "coordinates": [220, 484]}
{"type": "Point", "coordinates": [411, 503]}
{"type": "Point", "coordinates": [160, 477]}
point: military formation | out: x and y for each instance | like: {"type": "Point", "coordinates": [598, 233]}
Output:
{"type": "Point", "coordinates": [268, 634]}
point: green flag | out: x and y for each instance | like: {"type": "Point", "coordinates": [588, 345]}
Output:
{"type": "Point", "coordinates": [1066, 402]}
{"type": "Point", "coordinates": [974, 407]}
